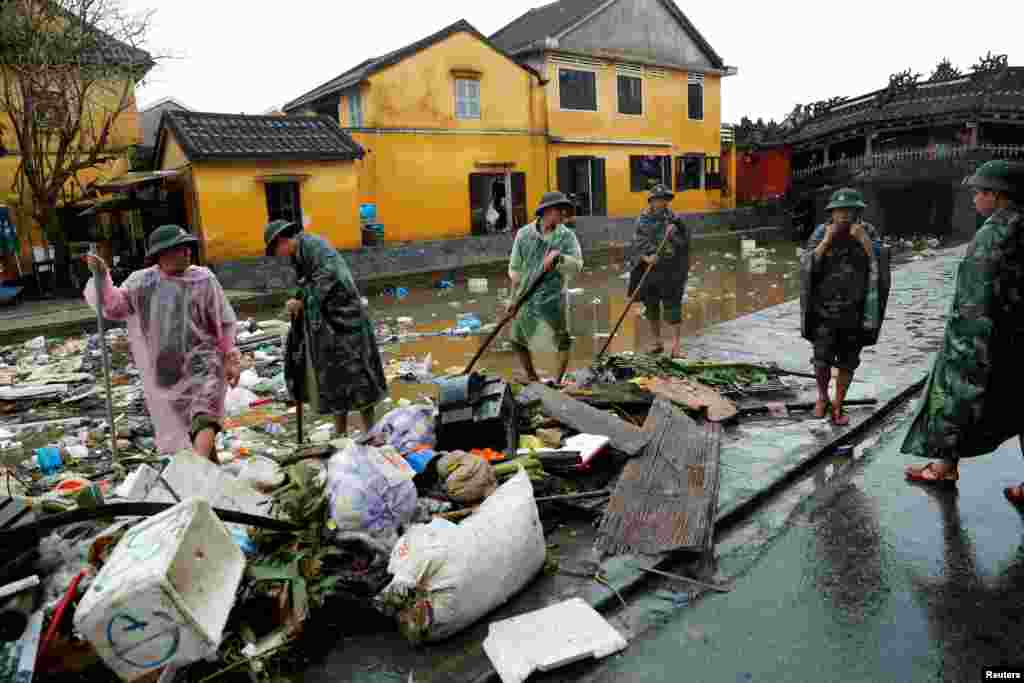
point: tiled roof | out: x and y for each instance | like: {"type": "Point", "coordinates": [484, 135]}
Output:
{"type": "Point", "coordinates": [970, 95]}
{"type": "Point", "coordinates": [551, 20]}
{"type": "Point", "coordinates": [205, 136]}
{"type": "Point", "coordinates": [364, 70]}
{"type": "Point", "coordinates": [541, 22]}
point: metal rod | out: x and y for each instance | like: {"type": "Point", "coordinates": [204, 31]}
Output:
{"type": "Point", "coordinates": [685, 579]}
{"type": "Point", "coordinates": [629, 304]}
{"type": "Point", "coordinates": [106, 361]}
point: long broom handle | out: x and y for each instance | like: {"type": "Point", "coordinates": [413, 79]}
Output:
{"type": "Point", "coordinates": [629, 304]}
{"type": "Point", "coordinates": [301, 388]}
{"type": "Point", "coordinates": [534, 286]}
{"type": "Point", "coordinates": [102, 325]}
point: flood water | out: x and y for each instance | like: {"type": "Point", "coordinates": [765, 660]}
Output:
{"type": "Point", "coordinates": [724, 283]}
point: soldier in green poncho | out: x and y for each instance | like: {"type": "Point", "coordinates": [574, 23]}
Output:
{"type": "Point", "coordinates": [544, 246]}
{"type": "Point", "coordinates": [333, 360]}
{"type": "Point", "coordinates": [970, 407]}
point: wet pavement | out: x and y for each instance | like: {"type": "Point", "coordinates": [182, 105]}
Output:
{"type": "Point", "coordinates": [854, 575]}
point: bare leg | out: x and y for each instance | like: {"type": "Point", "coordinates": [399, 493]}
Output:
{"type": "Point", "coordinates": [526, 360]}
{"type": "Point", "coordinates": [369, 419]}
{"type": "Point", "coordinates": [563, 365]}
{"type": "Point", "coordinates": [677, 340]}
{"type": "Point", "coordinates": [205, 445]}
{"type": "Point", "coordinates": [843, 382]}
{"type": "Point", "coordinates": [823, 375]}
{"type": "Point", "coordinates": [656, 346]}
{"type": "Point", "coordinates": [341, 424]}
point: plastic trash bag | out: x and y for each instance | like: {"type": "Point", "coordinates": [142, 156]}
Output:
{"type": "Point", "coordinates": [238, 401]}
{"type": "Point", "coordinates": [448, 576]}
{"type": "Point", "coordinates": [370, 490]}
{"type": "Point", "coordinates": [467, 478]}
{"type": "Point", "coordinates": [407, 428]}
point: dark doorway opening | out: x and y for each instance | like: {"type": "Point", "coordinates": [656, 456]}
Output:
{"type": "Point", "coordinates": [583, 179]}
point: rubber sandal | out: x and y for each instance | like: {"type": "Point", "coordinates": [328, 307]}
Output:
{"type": "Point", "coordinates": [840, 420]}
{"type": "Point", "coordinates": [1015, 494]}
{"type": "Point", "coordinates": [917, 475]}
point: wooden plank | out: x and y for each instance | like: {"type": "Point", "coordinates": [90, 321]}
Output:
{"type": "Point", "coordinates": [666, 499]}
{"type": "Point", "coordinates": [624, 437]}
{"type": "Point", "coordinates": [693, 395]}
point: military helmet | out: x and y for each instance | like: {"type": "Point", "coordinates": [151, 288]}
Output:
{"type": "Point", "coordinates": [846, 198]}
{"type": "Point", "coordinates": [660, 192]}
{"type": "Point", "coordinates": [278, 228]}
{"type": "Point", "coordinates": [168, 237]}
{"type": "Point", "coordinates": [552, 199]}
{"type": "Point", "coordinates": [998, 176]}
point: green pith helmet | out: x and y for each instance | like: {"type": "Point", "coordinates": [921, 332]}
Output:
{"type": "Point", "coordinates": [551, 199]}
{"type": "Point", "coordinates": [168, 237]}
{"type": "Point", "coordinates": [275, 229]}
{"type": "Point", "coordinates": [846, 198]}
{"type": "Point", "coordinates": [998, 176]}
{"type": "Point", "coordinates": [660, 192]}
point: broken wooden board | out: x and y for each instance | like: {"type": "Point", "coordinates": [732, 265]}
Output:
{"type": "Point", "coordinates": [692, 395]}
{"type": "Point", "coordinates": [575, 414]}
{"type": "Point", "coordinates": [666, 499]}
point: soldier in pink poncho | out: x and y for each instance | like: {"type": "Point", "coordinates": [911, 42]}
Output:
{"type": "Point", "coordinates": [182, 332]}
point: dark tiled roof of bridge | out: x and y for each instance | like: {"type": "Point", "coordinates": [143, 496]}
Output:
{"type": "Point", "coordinates": [205, 136]}
{"type": "Point", "coordinates": [551, 20]}
{"type": "Point", "coordinates": [369, 67]}
{"type": "Point", "coordinates": [973, 94]}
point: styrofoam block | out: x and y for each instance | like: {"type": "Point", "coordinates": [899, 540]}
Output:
{"type": "Point", "coordinates": [195, 477]}
{"type": "Point", "coordinates": [747, 246]}
{"type": "Point", "coordinates": [164, 595]}
{"type": "Point", "coordinates": [138, 484]}
{"type": "Point", "coordinates": [550, 638]}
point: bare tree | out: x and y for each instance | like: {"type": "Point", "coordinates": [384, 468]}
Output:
{"type": "Point", "coordinates": [68, 72]}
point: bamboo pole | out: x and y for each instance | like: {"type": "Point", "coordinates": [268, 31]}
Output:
{"type": "Point", "coordinates": [102, 325]}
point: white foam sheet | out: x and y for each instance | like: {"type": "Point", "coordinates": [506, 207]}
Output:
{"type": "Point", "coordinates": [550, 638]}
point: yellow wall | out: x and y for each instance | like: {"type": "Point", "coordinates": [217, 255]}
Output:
{"type": "Point", "coordinates": [420, 156]}
{"type": "Point", "coordinates": [233, 204]}
{"type": "Point", "coordinates": [665, 119]}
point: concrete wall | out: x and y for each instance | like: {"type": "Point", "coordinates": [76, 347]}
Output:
{"type": "Point", "coordinates": [595, 234]}
{"type": "Point", "coordinates": [652, 33]}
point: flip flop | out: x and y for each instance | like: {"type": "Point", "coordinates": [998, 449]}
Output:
{"type": "Point", "coordinates": [1015, 494]}
{"type": "Point", "coordinates": [918, 475]}
{"type": "Point", "coordinates": [840, 420]}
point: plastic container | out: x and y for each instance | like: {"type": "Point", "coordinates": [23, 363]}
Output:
{"type": "Point", "coordinates": [478, 285]}
{"type": "Point", "coordinates": [468, 321]}
{"type": "Point", "coordinates": [49, 460]}
{"type": "Point", "coordinates": [367, 213]}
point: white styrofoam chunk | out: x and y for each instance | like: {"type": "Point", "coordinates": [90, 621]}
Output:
{"type": "Point", "coordinates": [137, 485]}
{"type": "Point", "coordinates": [164, 595]}
{"type": "Point", "coordinates": [550, 638]}
{"type": "Point", "coordinates": [191, 476]}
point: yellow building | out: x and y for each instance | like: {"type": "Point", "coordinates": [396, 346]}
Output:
{"type": "Point", "coordinates": [442, 120]}
{"type": "Point", "coordinates": [232, 174]}
{"type": "Point", "coordinates": [633, 98]}
{"type": "Point", "coordinates": [464, 133]}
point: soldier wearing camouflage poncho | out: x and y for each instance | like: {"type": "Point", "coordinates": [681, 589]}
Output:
{"type": "Point", "coordinates": [332, 350]}
{"type": "Point", "coordinates": [969, 407]}
{"type": "Point", "coordinates": [842, 302]}
{"type": "Point", "coordinates": [545, 245]}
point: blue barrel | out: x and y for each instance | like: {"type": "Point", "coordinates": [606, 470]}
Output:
{"type": "Point", "coordinates": [368, 213]}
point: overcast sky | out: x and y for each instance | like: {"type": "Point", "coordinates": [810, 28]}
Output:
{"type": "Point", "coordinates": [236, 56]}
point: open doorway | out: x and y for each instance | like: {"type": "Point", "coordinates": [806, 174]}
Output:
{"type": "Point", "coordinates": [497, 202]}
{"type": "Point", "coordinates": [583, 179]}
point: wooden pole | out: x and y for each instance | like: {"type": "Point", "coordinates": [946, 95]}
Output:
{"type": "Point", "coordinates": [102, 325]}
{"type": "Point", "coordinates": [629, 304]}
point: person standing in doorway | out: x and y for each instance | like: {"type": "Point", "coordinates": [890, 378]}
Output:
{"type": "Point", "coordinates": [331, 331]}
{"type": "Point", "coordinates": [969, 407]}
{"type": "Point", "coordinates": [545, 246]}
{"type": "Point", "coordinates": [182, 332]}
{"type": "Point", "coordinates": [840, 303]}
{"type": "Point", "coordinates": [665, 285]}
